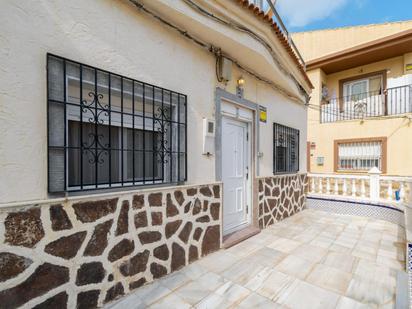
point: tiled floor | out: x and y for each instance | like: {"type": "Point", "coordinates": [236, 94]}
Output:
{"type": "Point", "coordinates": [311, 260]}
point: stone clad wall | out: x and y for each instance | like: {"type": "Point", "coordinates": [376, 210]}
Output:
{"type": "Point", "coordinates": [84, 253]}
{"type": "Point", "coordinates": [281, 197]}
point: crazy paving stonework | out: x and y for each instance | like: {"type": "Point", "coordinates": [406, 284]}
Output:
{"type": "Point", "coordinates": [281, 197]}
{"type": "Point", "coordinates": [84, 254]}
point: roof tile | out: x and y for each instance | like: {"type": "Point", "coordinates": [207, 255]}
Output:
{"type": "Point", "coordinates": [279, 34]}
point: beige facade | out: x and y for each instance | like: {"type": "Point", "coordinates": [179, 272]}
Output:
{"type": "Point", "coordinates": [328, 122]}
{"type": "Point", "coordinates": [318, 43]}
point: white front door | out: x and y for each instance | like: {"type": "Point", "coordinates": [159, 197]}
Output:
{"type": "Point", "coordinates": [235, 162]}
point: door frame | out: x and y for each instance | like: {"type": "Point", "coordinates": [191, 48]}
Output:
{"type": "Point", "coordinates": [224, 96]}
{"type": "Point", "coordinates": [248, 184]}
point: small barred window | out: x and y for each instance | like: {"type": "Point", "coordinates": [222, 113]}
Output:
{"type": "Point", "coordinates": [285, 149]}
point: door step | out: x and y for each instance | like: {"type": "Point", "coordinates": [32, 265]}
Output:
{"type": "Point", "coordinates": [236, 237]}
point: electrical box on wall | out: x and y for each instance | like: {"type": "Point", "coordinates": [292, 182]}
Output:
{"type": "Point", "coordinates": [320, 160]}
{"type": "Point", "coordinates": [208, 136]}
{"type": "Point", "coordinates": [225, 69]}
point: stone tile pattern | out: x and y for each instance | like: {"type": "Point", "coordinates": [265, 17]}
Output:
{"type": "Point", "coordinates": [85, 254]}
{"type": "Point", "coordinates": [281, 197]}
{"type": "Point", "coordinates": [376, 211]}
{"type": "Point", "coordinates": [313, 259]}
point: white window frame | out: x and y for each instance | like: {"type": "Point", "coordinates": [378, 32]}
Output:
{"type": "Point", "coordinates": [360, 154]}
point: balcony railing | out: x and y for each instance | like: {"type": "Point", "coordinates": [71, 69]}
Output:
{"type": "Point", "coordinates": [268, 6]}
{"type": "Point", "coordinates": [371, 187]}
{"type": "Point", "coordinates": [391, 101]}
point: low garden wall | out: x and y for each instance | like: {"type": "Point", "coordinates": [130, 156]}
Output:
{"type": "Point", "coordinates": [280, 197]}
{"type": "Point", "coordinates": [85, 252]}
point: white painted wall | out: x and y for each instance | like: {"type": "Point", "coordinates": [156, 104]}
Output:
{"type": "Point", "coordinates": [111, 35]}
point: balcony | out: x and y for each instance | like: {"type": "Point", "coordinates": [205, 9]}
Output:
{"type": "Point", "coordinates": [390, 102]}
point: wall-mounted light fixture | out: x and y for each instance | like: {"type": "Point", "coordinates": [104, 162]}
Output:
{"type": "Point", "coordinates": [240, 83]}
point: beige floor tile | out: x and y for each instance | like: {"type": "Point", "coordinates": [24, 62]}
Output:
{"type": "Point", "coordinates": [129, 302]}
{"type": "Point", "coordinates": [276, 284]}
{"type": "Point", "coordinates": [212, 301]}
{"type": "Point", "coordinates": [194, 271]}
{"type": "Point", "coordinates": [371, 236]}
{"type": "Point", "coordinates": [345, 242]}
{"type": "Point", "coordinates": [371, 291]}
{"type": "Point", "coordinates": [288, 233]}
{"type": "Point", "coordinates": [360, 253]}
{"type": "Point", "coordinates": [232, 292]}
{"type": "Point", "coordinates": [266, 256]}
{"type": "Point", "coordinates": [242, 272]}
{"type": "Point", "coordinates": [257, 281]}
{"type": "Point", "coordinates": [174, 280]}
{"type": "Point", "coordinates": [391, 245]}
{"type": "Point", "coordinates": [389, 262]}
{"type": "Point", "coordinates": [152, 292]}
{"type": "Point", "coordinates": [264, 238]}
{"type": "Point", "coordinates": [295, 266]}
{"type": "Point", "coordinates": [329, 278]}
{"type": "Point", "coordinates": [192, 293]}
{"type": "Point", "coordinates": [342, 261]}
{"type": "Point", "coordinates": [309, 252]}
{"type": "Point", "coordinates": [322, 242]}
{"type": "Point", "coordinates": [244, 248]}
{"type": "Point", "coordinates": [303, 295]}
{"type": "Point", "coordinates": [170, 301]}
{"type": "Point", "coordinates": [349, 303]}
{"type": "Point", "coordinates": [306, 237]}
{"type": "Point", "coordinates": [256, 301]}
{"type": "Point", "coordinates": [218, 261]}
{"type": "Point", "coordinates": [374, 271]}
{"type": "Point", "coordinates": [323, 260]}
{"type": "Point", "coordinates": [284, 245]}
{"type": "Point", "coordinates": [368, 249]}
{"type": "Point", "coordinates": [196, 290]}
{"type": "Point", "coordinates": [396, 254]}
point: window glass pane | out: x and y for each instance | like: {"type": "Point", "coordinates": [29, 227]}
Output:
{"type": "Point", "coordinates": [375, 83]}
{"type": "Point", "coordinates": [286, 149]}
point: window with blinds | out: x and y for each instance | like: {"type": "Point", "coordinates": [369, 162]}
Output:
{"type": "Point", "coordinates": [360, 155]}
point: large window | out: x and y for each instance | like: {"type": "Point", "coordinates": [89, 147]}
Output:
{"type": "Point", "coordinates": [361, 155]}
{"type": "Point", "coordinates": [106, 130]}
{"type": "Point", "coordinates": [362, 88]}
{"type": "Point", "coordinates": [286, 149]}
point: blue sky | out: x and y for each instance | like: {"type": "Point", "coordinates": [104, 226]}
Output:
{"type": "Point", "coordinates": [304, 15]}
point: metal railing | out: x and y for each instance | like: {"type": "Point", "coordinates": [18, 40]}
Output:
{"type": "Point", "coordinates": [107, 131]}
{"type": "Point", "coordinates": [391, 101]}
{"type": "Point", "coordinates": [269, 5]}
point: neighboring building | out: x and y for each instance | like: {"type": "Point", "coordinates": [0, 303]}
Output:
{"type": "Point", "coordinates": [360, 112]}
{"type": "Point", "coordinates": [135, 135]}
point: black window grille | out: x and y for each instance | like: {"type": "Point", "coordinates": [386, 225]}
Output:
{"type": "Point", "coordinates": [285, 149]}
{"type": "Point", "coordinates": [106, 130]}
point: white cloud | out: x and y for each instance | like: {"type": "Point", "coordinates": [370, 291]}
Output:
{"type": "Point", "coordinates": [300, 13]}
